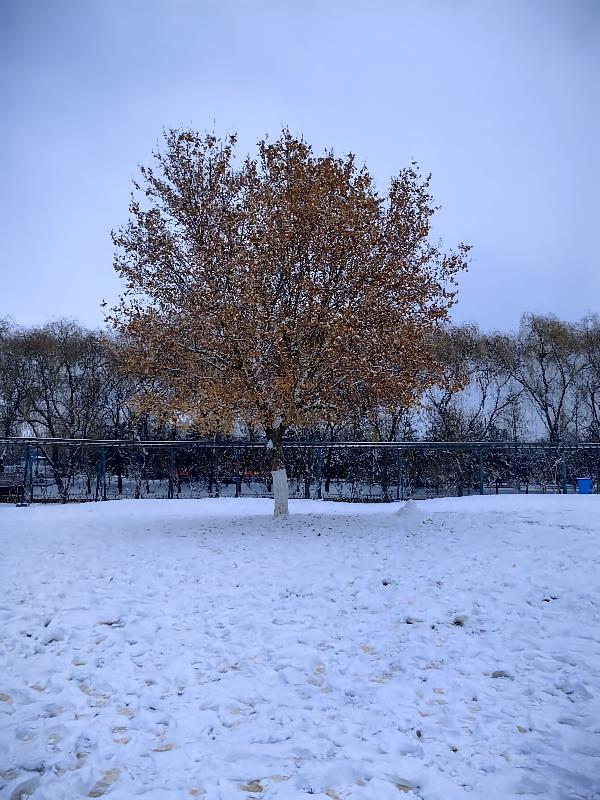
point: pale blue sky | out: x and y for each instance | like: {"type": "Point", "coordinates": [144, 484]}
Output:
{"type": "Point", "coordinates": [499, 99]}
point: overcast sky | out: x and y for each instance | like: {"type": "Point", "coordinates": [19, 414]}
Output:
{"type": "Point", "coordinates": [500, 100]}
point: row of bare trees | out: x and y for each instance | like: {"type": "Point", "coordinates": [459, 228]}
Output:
{"type": "Point", "coordinates": [540, 383]}
{"type": "Point", "coordinates": [60, 381]}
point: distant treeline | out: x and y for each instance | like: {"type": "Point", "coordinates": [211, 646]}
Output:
{"type": "Point", "coordinates": [541, 382]}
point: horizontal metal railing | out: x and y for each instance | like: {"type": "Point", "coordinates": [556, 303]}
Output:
{"type": "Point", "coordinates": [417, 444]}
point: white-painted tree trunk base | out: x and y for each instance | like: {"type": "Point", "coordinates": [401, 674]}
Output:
{"type": "Point", "coordinates": [280, 492]}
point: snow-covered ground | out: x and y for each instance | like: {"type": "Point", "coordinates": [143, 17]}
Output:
{"type": "Point", "coordinates": [174, 649]}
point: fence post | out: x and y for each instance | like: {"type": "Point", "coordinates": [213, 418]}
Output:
{"type": "Point", "coordinates": [481, 476]}
{"type": "Point", "coordinates": [170, 492]}
{"type": "Point", "coordinates": [238, 472]}
{"type": "Point", "coordinates": [319, 473]}
{"type": "Point", "coordinates": [563, 473]}
{"type": "Point", "coordinates": [103, 471]}
{"type": "Point", "coordinates": [37, 452]}
{"type": "Point", "coordinates": [399, 491]}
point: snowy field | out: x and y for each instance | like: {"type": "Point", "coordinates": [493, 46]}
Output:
{"type": "Point", "coordinates": [176, 649]}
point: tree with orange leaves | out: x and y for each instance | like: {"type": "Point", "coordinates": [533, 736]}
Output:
{"type": "Point", "coordinates": [278, 291]}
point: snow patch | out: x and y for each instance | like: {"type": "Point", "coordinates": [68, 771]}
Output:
{"type": "Point", "coordinates": [411, 515]}
{"type": "Point", "coordinates": [173, 649]}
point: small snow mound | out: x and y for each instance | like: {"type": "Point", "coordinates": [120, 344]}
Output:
{"type": "Point", "coordinates": [25, 789]}
{"type": "Point", "coordinates": [55, 634]}
{"type": "Point", "coordinates": [410, 514]}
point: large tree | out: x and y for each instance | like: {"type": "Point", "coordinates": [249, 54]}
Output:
{"type": "Point", "coordinates": [280, 290]}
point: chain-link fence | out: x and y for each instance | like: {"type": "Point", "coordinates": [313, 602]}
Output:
{"type": "Point", "coordinates": [46, 470]}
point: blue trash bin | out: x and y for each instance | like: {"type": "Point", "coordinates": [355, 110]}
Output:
{"type": "Point", "coordinates": [584, 485]}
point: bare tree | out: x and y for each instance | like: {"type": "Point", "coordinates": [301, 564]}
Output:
{"type": "Point", "coordinates": [68, 384]}
{"type": "Point", "coordinates": [546, 359]}
{"type": "Point", "coordinates": [15, 380]}
{"type": "Point", "coordinates": [478, 398]}
{"type": "Point", "coordinates": [588, 381]}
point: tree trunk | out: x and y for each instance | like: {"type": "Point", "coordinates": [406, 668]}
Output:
{"type": "Point", "coordinates": [278, 471]}
{"type": "Point", "coordinates": [57, 474]}
{"type": "Point", "coordinates": [307, 487]}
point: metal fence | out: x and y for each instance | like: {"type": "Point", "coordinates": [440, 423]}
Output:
{"type": "Point", "coordinates": [61, 470]}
